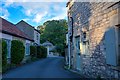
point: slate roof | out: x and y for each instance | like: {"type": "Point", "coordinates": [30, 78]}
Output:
{"type": "Point", "coordinates": [22, 21]}
{"type": "Point", "coordinates": [10, 28]}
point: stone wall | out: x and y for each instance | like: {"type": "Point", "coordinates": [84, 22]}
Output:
{"type": "Point", "coordinates": [96, 18]}
{"type": "Point", "coordinates": [26, 28]}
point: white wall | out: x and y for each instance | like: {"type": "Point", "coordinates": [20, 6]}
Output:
{"type": "Point", "coordinates": [10, 37]}
{"type": "Point", "coordinates": [5, 36]}
{"type": "Point", "coordinates": [8, 41]}
{"type": "Point", "coordinates": [35, 37]}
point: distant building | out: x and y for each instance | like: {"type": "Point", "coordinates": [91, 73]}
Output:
{"type": "Point", "coordinates": [49, 47]}
{"type": "Point", "coordinates": [29, 31]}
{"type": "Point", "coordinates": [94, 38]}
{"type": "Point", "coordinates": [9, 32]}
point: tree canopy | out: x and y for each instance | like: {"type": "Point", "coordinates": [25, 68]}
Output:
{"type": "Point", "coordinates": [55, 32]}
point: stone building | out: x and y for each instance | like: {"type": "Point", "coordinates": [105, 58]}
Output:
{"type": "Point", "coordinates": [26, 28]}
{"type": "Point", "coordinates": [94, 38]}
{"type": "Point", "coordinates": [29, 31]}
{"type": "Point", "coordinates": [9, 32]}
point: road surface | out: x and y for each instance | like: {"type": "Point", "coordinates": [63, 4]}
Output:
{"type": "Point", "coordinates": [51, 67]}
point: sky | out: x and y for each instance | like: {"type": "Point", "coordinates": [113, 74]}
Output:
{"type": "Point", "coordinates": [34, 12]}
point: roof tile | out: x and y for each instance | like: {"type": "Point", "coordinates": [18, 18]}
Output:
{"type": "Point", "coordinates": [12, 29]}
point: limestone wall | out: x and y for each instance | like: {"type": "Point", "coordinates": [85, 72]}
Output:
{"type": "Point", "coordinates": [96, 18]}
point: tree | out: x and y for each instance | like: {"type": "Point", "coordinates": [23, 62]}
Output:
{"type": "Point", "coordinates": [55, 32]}
{"type": "Point", "coordinates": [41, 28]}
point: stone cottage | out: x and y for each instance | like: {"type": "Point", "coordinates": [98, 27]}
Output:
{"type": "Point", "coordinates": [94, 38]}
{"type": "Point", "coordinates": [29, 31]}
{"type": "Point", "coordinates": [9, 32]}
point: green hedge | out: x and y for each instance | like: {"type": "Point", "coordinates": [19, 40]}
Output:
{"type": "Point", "coordinates": [4, 53]}
{"type": "Point", "coordinates": [38, 51]}
{"type": "Point", "coordinates": [33, 51]}
{"type": "Point", "coordinates": [17, 51]}
{"type": "Point", "coordinates": [41, 52]}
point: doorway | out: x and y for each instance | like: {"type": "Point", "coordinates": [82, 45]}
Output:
{"type": "Point", "coordinates": [78, 57]}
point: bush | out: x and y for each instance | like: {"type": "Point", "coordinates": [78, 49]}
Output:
{"type": "Point", "coordinates": [38, 52]}
{"type": "Point", "coordinates": [4, 54]}
{"type": "Point", "coordinates": [41, 52]}
{"type": "Point", "coordinates": [33, 51]}
{"type": "Point", "coordinates": [34, 59]}
{"type": "Point", "coordinates": [17, 52]}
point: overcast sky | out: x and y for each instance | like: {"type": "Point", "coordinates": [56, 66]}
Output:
{"type": "Point", "coordinates": [35, 12]}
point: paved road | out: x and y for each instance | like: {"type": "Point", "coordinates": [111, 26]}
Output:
{"type": "Point", "coordinates": [45, 68]}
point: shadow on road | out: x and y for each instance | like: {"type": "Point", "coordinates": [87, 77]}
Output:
{"type": "Point", "coordinates": [51, 67]}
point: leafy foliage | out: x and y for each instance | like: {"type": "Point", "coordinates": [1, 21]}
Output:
{"type": "Point", "coordinates": [41, 29]}
{"type": "Point", "coordinates": [33, 51]}
{"type": "Point", "coordinates": [17, 52]}
{"type": "Point", "coordinates": [41, 52]}
{"type": "Point", "coordinates": [55, 32]}
{"type": "Point", "coordinates": [4, 52]}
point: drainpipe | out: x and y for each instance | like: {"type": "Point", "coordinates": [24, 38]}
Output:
{"type": "Point", "coordinates": [48, 51]}
{"type": "Point", "coordinates": [70, 40]}
{"type": "Point", "coordinates": [69, 54]}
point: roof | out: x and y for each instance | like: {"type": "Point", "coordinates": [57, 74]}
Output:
{"type": "Point", "coordinates": [28, 24]}
{"type": "Point", "coordinates": [47, 43]}
{"type": "Point", "coordinates": [37, 30]}
{"type": "Point", "coordinates": [25, 23]}
{"type": "Point", "coordinates": [10, 28]}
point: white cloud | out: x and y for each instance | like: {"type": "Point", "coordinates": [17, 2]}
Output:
{"type": "Point", "coordinates": [26, 19]}
{"type": "Point", "coordinates": [4, 13]}
{"type": "Point", "coordinates": [61, 15]}
{"type": "Point", "coordinates": [39, 17]}
{"type": "Point", "coordinates": [28, 12]}
{"type": "Point", "coordinates": [36, 1]}
{"type": "Point", "coordinates": [56, 7]}
{"type": "Point", "coordinates": [40, 11]}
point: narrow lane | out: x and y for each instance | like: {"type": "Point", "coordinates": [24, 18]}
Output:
{"type": "Point", "coordinates": [45, 68]}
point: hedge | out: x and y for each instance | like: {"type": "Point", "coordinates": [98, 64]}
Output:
{"type": "Point", "coordinates": [41, 52]}
{"type": "Point", "coordinates": [33, 51]}
{"type": "Point", "coordinates": [4, 53]}
{"type": "Point", "coordinates": [17, 51]}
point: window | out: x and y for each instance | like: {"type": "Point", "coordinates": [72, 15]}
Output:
{"type": "Point", "coordinates": [27, 49]}
{"type": "Point", "coordinates": [37, 36]}
{"type": "Point", "coordinates": [84, 35]}
{"type": "Point", "coordinates": [112, 46]}
{"type": "Point", "coordinates": [84, 38]}
{"type": "Point", "coordinates": [8, 48]}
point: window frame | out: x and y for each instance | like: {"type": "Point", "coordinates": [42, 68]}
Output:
{"type": "Point", "coordinates": [8, 47]}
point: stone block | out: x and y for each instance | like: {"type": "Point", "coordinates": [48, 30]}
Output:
{"type": "Point", "coordinates": [115, 19]}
